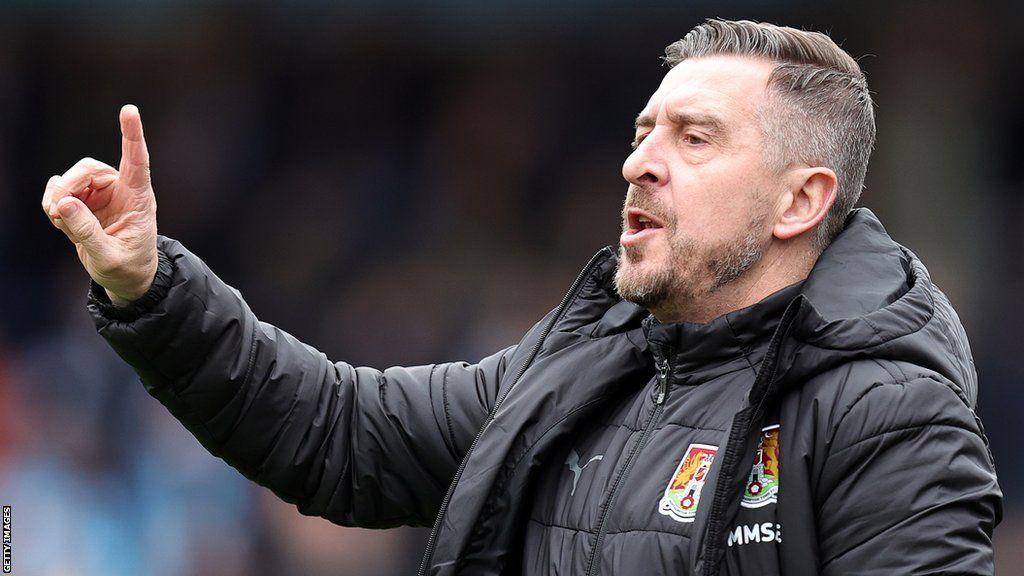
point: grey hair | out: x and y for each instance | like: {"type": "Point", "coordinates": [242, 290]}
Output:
{"type": "Point", "coordinates": [819, 108]}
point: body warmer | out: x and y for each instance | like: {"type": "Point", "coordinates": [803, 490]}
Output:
{"type": "Point", "coordinates": [829, 429]}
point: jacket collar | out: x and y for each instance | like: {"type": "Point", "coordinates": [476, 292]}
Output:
{"type": "Point", "coordinates": [865, 296]}
{"type": "Point", "coordinates": [698, 352]}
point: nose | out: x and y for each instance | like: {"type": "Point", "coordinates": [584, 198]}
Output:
{"type": "Point", "coordinates": [643, 167]}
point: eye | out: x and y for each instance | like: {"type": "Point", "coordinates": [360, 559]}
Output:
{"type": "Point", "coordinates": [694, 140]}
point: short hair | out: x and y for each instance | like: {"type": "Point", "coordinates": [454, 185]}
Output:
{"type": "Point", "coordinates": [820, 110]}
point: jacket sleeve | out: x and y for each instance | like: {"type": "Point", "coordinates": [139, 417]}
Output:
{"type": "Point", "coordinates": [908, 486]}
{"type": "Point", "coordinates": [359, 446]}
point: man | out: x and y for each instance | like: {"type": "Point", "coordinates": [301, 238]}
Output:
{"type": "Point", "coordinates": [761, 382]}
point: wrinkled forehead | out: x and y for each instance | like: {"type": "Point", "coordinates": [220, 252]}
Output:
{"type": "Point", "coordinates": [731, 87]}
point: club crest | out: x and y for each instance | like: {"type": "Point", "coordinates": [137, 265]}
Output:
{"type": "Point", "coordinates": [683, 492]}
{"type": "Point", "coordinates": [763, 483]}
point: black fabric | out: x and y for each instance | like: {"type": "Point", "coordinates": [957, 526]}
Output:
{"type": "Point", "coordinates": [136, 308]}
{"type": "Point", "coordinates": [828, 429]}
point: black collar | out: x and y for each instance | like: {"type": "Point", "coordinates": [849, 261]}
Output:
{"type": "Point", "coordinates": [736, 340]}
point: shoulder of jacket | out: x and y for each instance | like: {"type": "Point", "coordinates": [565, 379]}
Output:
{"type": "Point", "coordinates": [867, 398]}
{"type": "Point", "coordinates": [845, 384]}
{"type": "Point", "coordinates": [876, 407]}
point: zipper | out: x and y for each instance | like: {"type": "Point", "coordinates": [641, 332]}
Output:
{"type": "Point", "coordinates": [664, 373]}
{"type": "Point", "coordinates": [761, 392]}
{"type": "Point", "coordinates": [663, 369]}
{"type": "Point", "coordinates": [432, 541]}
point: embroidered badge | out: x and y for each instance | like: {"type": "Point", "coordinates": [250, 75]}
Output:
{"type": "Point", "coordinates": [683, 492]}
{"type": "Point", "coordinates": [763, 483]}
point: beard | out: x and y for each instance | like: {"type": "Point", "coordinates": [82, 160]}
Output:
{"type": "Point", "coordinates": [694, 268]}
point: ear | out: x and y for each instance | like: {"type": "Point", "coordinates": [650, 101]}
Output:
{"type": "Point", "coordinates": [809, 196]}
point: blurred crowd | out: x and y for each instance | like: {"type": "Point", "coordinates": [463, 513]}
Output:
{"type": "Point", "coordinates": [406, 188]}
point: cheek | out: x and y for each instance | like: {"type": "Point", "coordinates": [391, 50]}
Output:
{"type": "Point", "coordinates": [715, 199]}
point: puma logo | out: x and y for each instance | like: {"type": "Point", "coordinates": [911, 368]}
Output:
{"type": "Point", "coordinates": [573, 461]}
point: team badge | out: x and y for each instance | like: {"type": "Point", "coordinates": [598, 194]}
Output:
{"type": "Point", "coordinates": [763, 483]}
{"type": "Point", "coordinates": [683, 492]}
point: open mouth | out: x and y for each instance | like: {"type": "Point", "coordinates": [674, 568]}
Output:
{"type": "Point", "coordinates": [638, 221]}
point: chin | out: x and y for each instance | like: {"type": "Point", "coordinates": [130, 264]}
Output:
{"type": "Point", "coordinates": [643, 281]}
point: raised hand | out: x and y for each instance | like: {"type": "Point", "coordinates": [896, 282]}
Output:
{"type": "Point", "coordinates": [110, 215]}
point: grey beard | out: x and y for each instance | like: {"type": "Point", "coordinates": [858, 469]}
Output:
{"type": "Point", "coordinates": [646, 291]}
{"type": "Point", "coordinates": [737, 259]}
{"type": "Point", "coordinates": [721, 265]}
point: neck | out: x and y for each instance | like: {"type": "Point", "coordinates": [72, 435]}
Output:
{"type": "Point", "coordinates": [781, 266]}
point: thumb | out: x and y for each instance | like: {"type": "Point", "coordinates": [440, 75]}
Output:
{"type": "Point", "coordinates": [80, 224]}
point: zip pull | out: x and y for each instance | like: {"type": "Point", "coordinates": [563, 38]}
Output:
{"type": "Point", "coordinates": [659, 397]}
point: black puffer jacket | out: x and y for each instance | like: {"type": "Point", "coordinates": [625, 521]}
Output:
{"type": "Point", "coordinates": [827, 429]}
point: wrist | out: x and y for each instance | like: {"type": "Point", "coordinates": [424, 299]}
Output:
{"type": "Point", "coordinates": [127, 308]}
{"type": "Point", "coordinates": [118, 300]}
{"type": "Point", "coordinates": [123, 298]}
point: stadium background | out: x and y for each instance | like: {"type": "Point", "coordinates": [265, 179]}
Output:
{"type": "Point", "coordinates": [402, 182]}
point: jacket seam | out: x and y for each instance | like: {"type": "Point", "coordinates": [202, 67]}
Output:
{"type": "Point", "coordinates": [592, 278]}
{"type": "Point", "coordinates": [346, 449]}
{"type": "Point", "coordinates": [250, 361]}
{"type": "Point", "coordinates": [906, 428]}
{"type": "Point", "coordinates": [915, 515]}
{"type": "Point", "coordinates": [856, 401]}
{"type": "Point", "coordinates": [286, 422]}
{"type": "Point", "coordinates": [876, 385]}
{"type": "Point", "coordinates": [681, 425]}
{"type": "Point", "coordinates": [349, 450]}
{"type": "Point", "coordinates": [662, 425]}
{"type": "Point", "coordinates": [447, 408]}
{"type": "Point", "coordinates": [246, 380]}
{"type": "Point", "coordinates": [588, 531]}
{"type": "Point", "coordinates": [867, 320]}
{"type": "Point", "coordinates": [744, 349]}
{"type": "Point", "coordinates": [901, 377]}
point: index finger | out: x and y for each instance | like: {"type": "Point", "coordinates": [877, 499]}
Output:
{"type": "Point", "coordinates": [134, 154]}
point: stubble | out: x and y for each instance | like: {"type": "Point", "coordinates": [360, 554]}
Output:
{"type": "Point", "coordinates": [695, 269]}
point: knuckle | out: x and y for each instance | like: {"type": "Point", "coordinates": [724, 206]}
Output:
{"type": "Point", "coordinates": [54, 184]}
{"type": "Point", "coordinates": [87, 165]}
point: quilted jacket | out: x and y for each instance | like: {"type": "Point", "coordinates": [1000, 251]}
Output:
{"type": "Point", "coordinates": [828, 429]}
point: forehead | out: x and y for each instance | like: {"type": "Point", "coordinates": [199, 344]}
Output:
{"type": "Point", "coordinates": [728, 86]}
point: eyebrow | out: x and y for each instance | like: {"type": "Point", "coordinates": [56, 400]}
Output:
{"type": "Point", "coordinates": [710, 121]}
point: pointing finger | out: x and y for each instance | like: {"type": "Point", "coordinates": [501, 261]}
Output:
{"type": "Point", "coordinates": [134, 154]}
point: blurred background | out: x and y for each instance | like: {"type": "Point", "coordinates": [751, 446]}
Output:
{"type": "Point", "coordinates": [402, 182]}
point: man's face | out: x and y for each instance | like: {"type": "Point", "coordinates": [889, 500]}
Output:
{"type": "Point", "coordinates": [701, 198]}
